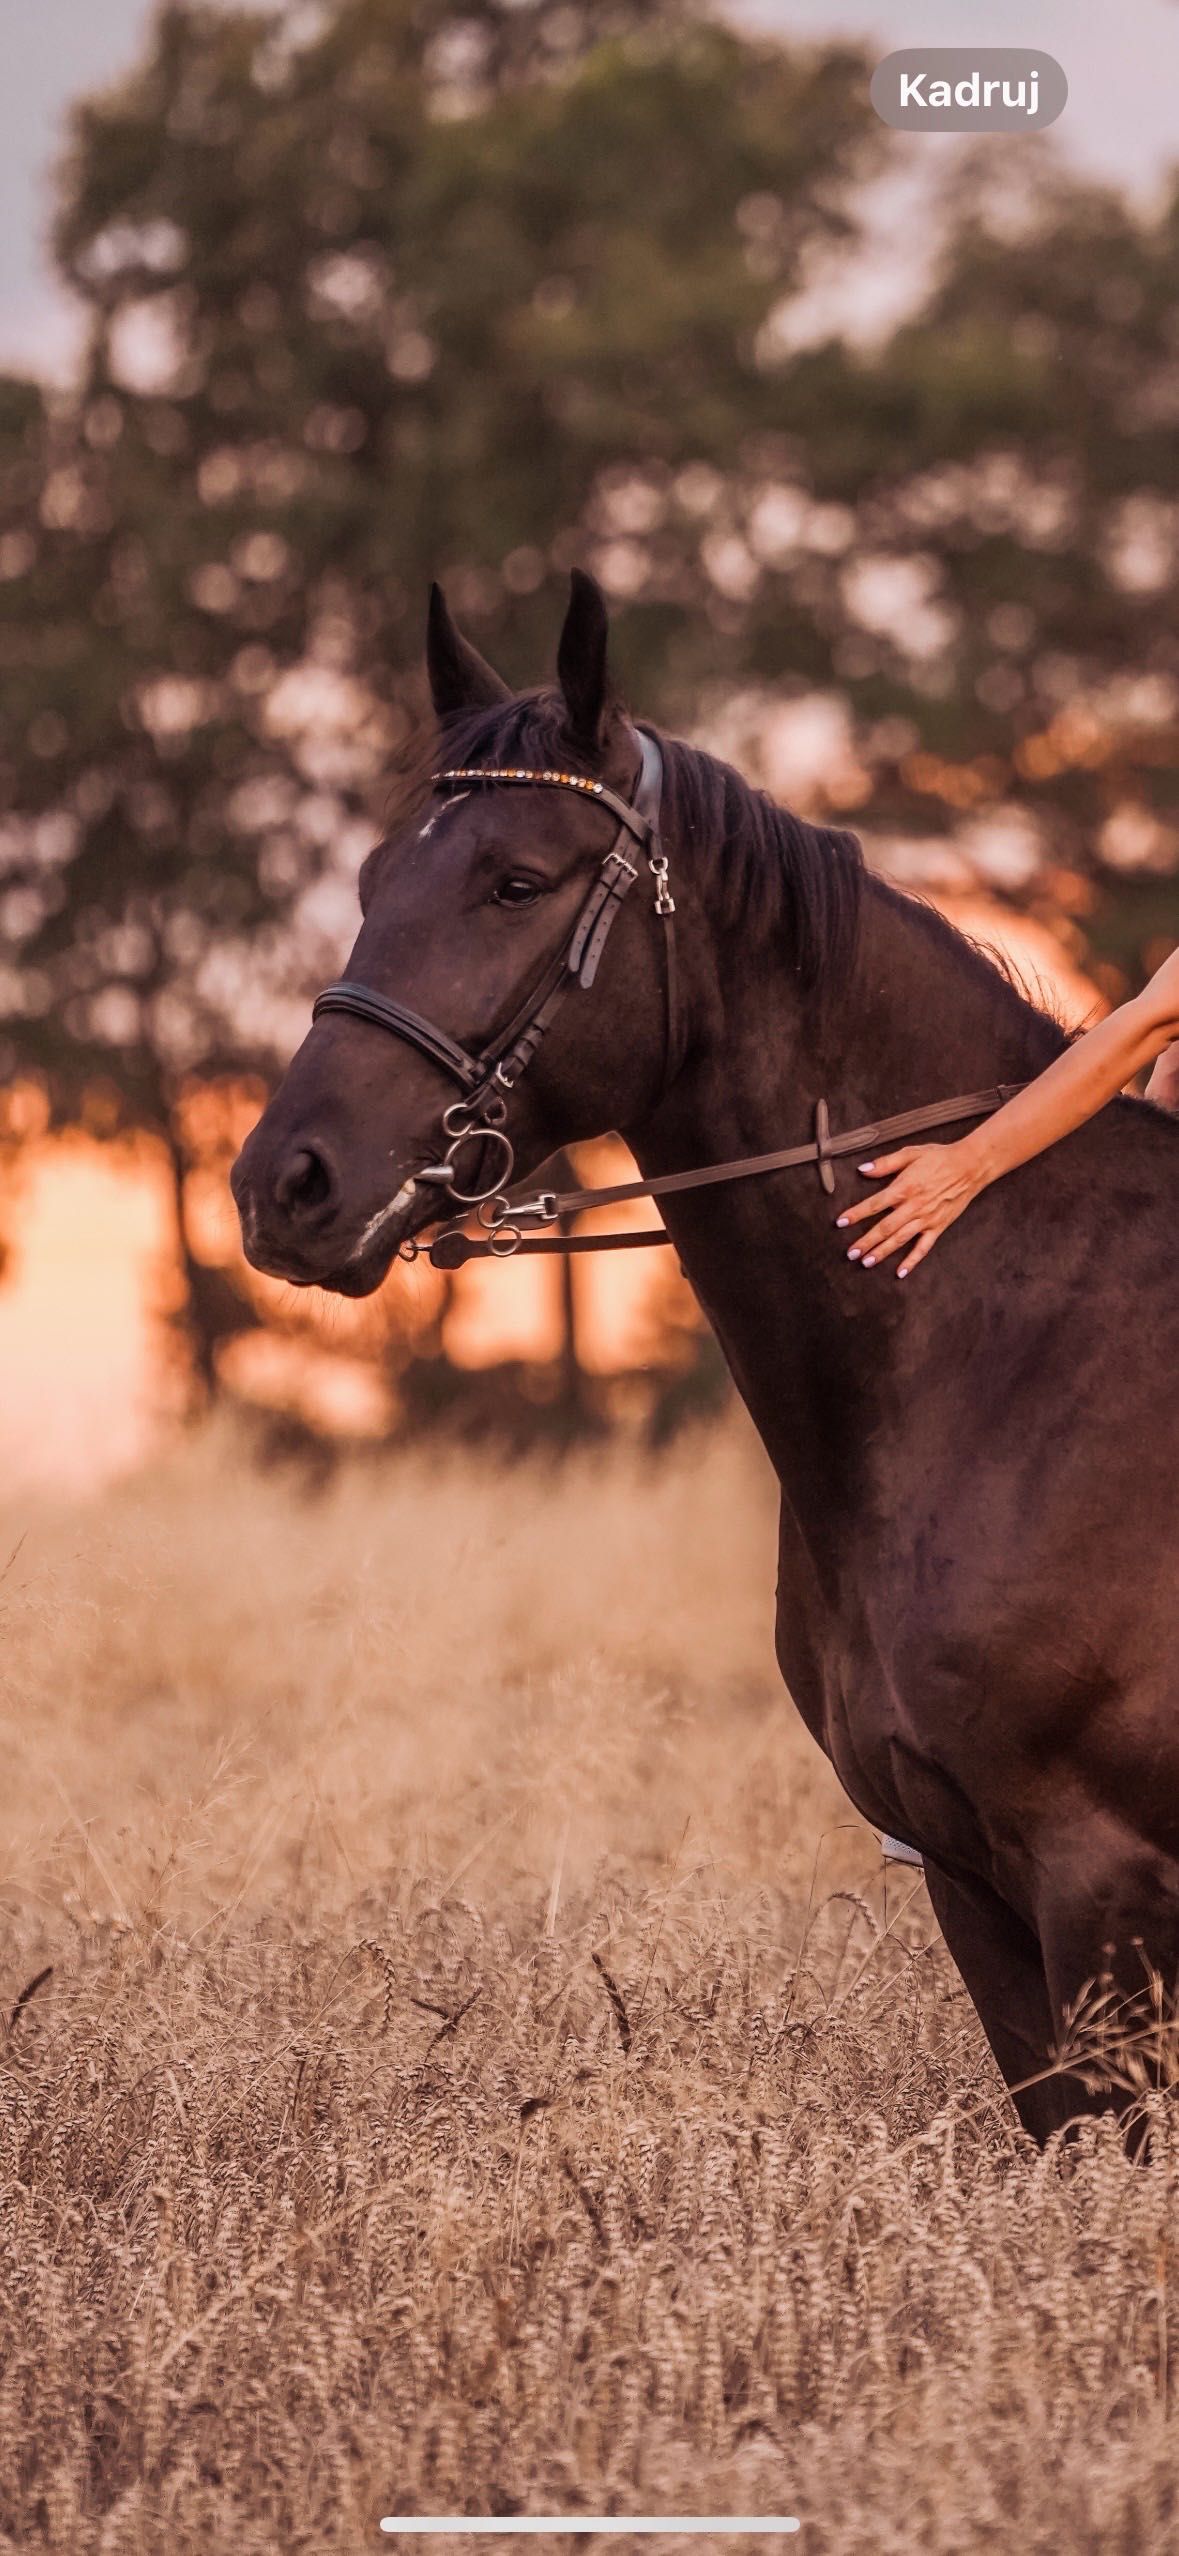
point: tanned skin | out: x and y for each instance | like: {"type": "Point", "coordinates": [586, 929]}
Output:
{"type": "Point", "coordinates": [931, 1185]}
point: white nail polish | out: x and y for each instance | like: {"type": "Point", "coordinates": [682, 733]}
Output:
{"type": "Point", "coordinates": [870, 1262]}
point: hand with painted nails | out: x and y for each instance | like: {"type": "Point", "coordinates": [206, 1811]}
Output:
{"type": "Point", "coordinates": [929, 1185]}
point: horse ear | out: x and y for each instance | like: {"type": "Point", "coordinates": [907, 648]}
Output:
{"type": "Point", "coordinates": [581, 659]}
{"type": "Point", "coordinates": [460, 679]}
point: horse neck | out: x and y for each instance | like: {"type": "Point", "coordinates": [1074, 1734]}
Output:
{"type": "Point", "coordinates": [813, 1342]}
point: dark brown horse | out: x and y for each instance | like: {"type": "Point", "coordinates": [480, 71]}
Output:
{"type": "Point", "coordinates": [976, 1605]}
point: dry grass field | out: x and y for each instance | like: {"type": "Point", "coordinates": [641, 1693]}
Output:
{"type": "Point", "coordinates": [485, 2065]}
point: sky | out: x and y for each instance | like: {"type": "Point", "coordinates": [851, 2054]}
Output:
{"type": "Point", "coordinates": [1121, 58]}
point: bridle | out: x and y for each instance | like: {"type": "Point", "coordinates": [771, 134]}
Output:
{"type": "Point", "coordinates": [488, 1077]}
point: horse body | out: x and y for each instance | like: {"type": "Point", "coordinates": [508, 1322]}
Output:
{"type": "Point", "coordinates": [977, 1605]}
{"type": "Point", "coordinates": [976, 1602]}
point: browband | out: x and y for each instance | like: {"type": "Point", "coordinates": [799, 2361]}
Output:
{"type": "Point", "coordinates": [627, 813]}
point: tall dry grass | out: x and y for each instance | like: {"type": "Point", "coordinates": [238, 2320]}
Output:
{"type": "Point", "coordinates": [484, 2065]}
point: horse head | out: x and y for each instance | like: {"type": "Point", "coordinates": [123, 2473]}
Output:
{"type": "Point", "coordinates": [483, 908]}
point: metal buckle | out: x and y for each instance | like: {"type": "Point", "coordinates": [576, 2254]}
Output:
{"type": "Point", "coordinates": [664, 900]}
{"type": "Point", "coordinates": [497, 1210]}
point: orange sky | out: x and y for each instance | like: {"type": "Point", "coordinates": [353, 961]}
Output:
{"type": "Point", "coordinates": [91, 1236]}
{"type": "Point", "coordinates": [85, 1392]}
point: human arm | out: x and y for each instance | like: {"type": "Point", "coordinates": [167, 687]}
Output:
{"type": "Point", "coordinates": [930, 1185]}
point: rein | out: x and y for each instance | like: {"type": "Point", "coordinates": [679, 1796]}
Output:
{"type": "Point", "coordinates": [487, 1077]}
{"type": "Point", "coordinates": [451, 1249]}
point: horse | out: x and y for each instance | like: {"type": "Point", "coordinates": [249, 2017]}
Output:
{"type": "Point", "coordinates": [976, 1609]}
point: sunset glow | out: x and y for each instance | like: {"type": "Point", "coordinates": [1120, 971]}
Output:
{"type": "Point", "coordinates": [87, 1386]}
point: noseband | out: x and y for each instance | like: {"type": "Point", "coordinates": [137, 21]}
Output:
{"type": "Point", "coordinates": [485, 1079]}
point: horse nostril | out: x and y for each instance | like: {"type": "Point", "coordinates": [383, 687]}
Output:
{"type": "Point", "coordinates": [304, 1182]}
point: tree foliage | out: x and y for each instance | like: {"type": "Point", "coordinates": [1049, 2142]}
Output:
{"type": "Point", "coordinates": [379, 290]}
{"type": "Point", "coordinates": [395, 298]}
{"type": "Point", "coordinates": [1013, 449]}
{"type": "Point", "coordinates": [375, 292]}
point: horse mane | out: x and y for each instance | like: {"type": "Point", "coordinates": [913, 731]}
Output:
{"type": "Point", "coordinates": [1005, 975]}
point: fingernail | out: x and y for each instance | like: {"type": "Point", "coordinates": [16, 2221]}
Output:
{"type": "Point", "coordinates": [870, 1262]}
{"type": "Point", "coordinates": [902, 1273]}
{"type": "Point", "coordinates": [841, 1220]}
{"type": "Point", "coordinates": [867, 1166]}
{"type": "Point", "coordinates": [855, 1251]}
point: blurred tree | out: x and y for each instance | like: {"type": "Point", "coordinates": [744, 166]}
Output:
{"type": "Point", "coordinates": [377, 290]}
{"type": "Point", "coordinates": [383, 289]}
{"type": "Point", "coordinates": [1006, 625]}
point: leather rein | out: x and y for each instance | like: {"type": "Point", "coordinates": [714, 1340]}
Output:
{"type": "Point", "coordinates": [488, 1077]}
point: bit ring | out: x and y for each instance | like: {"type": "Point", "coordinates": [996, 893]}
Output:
{"type": "Point", "coordinates": [484, 1136]}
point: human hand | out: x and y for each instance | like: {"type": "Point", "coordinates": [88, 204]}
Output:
{"type": "Point", "coordinates": [929, 1185]}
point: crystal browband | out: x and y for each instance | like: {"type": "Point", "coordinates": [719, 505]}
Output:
{"type": "Point", "coordinates": [515, 772]}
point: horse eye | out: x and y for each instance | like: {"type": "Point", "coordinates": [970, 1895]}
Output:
{"type": "Point", "coordinates": [516, 892]}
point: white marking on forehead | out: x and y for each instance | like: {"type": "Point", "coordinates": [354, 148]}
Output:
{"type": "Point", "coordinates": [447, 804]}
